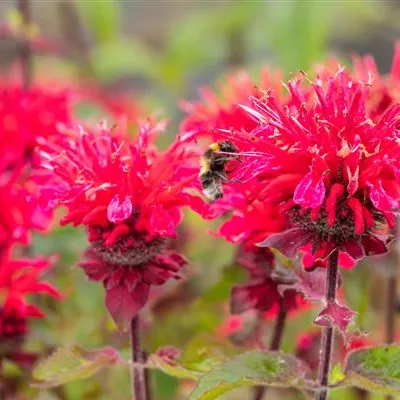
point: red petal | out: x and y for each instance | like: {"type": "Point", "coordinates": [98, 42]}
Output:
{"type": "Point", "coordinates": [260, 296]}
{"type": "Point", "coordinates": [353, 248]}
{"type": "Point", "coordinates": [288, 242]}
{"type": "Point", "coordinates": [118, 210]}
{"type": "Point", "coordinates": [308, 193]}
{"type": "Point", "coordinates": [374, 245]}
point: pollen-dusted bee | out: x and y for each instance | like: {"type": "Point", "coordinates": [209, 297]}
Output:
{"type": "Point", "coordinates": [212, 172]}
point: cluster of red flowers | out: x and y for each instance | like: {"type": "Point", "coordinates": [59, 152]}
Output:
{"type": "Point", "coordinates": [25, 118]}
{"type": "Point", "coordinates": [316, 172]}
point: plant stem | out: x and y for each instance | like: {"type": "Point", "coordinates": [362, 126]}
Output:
{"type": "Point", "coordinates": [390, 328]}
{"type": "Point", "coordinates": [327, 334]}
{"type": "Point", "coordinates": [275, 344]}
{"type": "Point", "coordinates": [147, 378]}
{"type": "Point", "coordinates": [138, 382]}
{"type": "Point", "coordinates": [390, 313]}
{"type": "Point", "coordinates": [24, 9]}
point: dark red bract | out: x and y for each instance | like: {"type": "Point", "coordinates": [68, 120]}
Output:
{"type": "Point", "coordinates": [262, 291]}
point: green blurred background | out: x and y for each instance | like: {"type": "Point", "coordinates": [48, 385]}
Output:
{"type": "Point", "coordinates": [160, 52]}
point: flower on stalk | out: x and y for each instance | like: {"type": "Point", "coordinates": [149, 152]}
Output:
{"type": "Point", "coordinates": [129, 196]}
{"type": "Point", "coordinates": [328, 172]}
{"type": "Point", "coordinates": [20, 278]}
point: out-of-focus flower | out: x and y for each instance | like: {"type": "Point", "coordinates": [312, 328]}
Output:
{"type": "Point", "coordinates": [222, 111]}
{"type": "Point", "coordinates": [19, 213]}
{"type": "Point", "coordinates": [26, 116]}
{"type": "Point", "coordinates": [385, 90]}
{"type": "Point", "coordinates": [129, 196]}
{"type": "Point", "coordinates": [325, 169]}
{"type": "Point", "coordinates": [117, 103]}
{"type": "Point", "coordinates": [20, 278]}
{"type": "Point", "coordinates": [262, 290]}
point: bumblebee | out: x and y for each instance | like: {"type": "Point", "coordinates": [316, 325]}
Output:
{"type": "Point", "coordinates": [212, 171]}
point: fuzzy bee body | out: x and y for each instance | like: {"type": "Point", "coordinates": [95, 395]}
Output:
{"type": "Point", "coordinates": [212, 168]}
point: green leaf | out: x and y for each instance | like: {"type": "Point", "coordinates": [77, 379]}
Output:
{"type": "Point", "coordinates": [376, 369]}
{"type": "Point", "coordinates": [122, 56]}
{"type": "Point", "coordinates": [102, 17]}
{"type": "Point", "coordinates": [337, 375]}
{"type": "Point", "coordinates": [69, 364]}
{"type": "Point", "coordinates": [201, 355]}
{"type": "Point", "coordinates": [249, 369]}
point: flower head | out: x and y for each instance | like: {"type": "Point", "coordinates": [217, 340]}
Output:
{"type": "Point", "coordinates": [222, 111]}
{"type": "Point", "coordinates": [129, 196]}
{"type": "Point", "coordinates": [328, 172]}
{"type": "Point", "coordinates": [385, 90]}
{"type": "Point", "coordinates": [20, 278]}
{"type": "Point", "coordinates": [19, 213]}
{"type": "Point", "coordinates": [262, 291]}
{"type": "Point", "coordinates": [27, 115]}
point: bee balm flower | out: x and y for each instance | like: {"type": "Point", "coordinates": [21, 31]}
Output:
{"type": "Point", "coordinates": [129, 196]}
{"type": "Point", "coordinates": [18, 279]}
{"type": "Point", "coordinates": [328, 171]}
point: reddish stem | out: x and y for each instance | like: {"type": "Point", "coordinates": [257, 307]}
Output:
{"type": "Point", "coordinates": [390, 313]}
{"type": "Point", "coordinates": [25, 47]}
{"type": "Point", "coordinates": [275, 344]}
{"type": "Point", "coordinates": [390, 326]}
{"type": "Point", "coordinates": [147, 378]}
{"type": "Point", "coordinates": [138, 382]}
{"type": "Point", "coordinates": [327, 334]}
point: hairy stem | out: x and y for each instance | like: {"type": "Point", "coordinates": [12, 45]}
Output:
{"type": "Point", "coordinates": [327, 334]}
{"type": "Point", "coordinates": [25, 52]}
{"type": "Point", "coordinates": [275, 344]}
{"type": "Point", "coordinates": [138, 382]}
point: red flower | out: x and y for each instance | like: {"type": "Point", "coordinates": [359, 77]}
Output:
{"type": "Point", "coordinates": [18, 279]}
{"type": "Point", "coordinates": [262, 291]}
{"type": "Point", "coordinates": [385, 91]}
{"type": "Point", "coordinates": [327, 171]}
{"type": "Point", "coordinates": [19, 213]}
{"type": "Point", "coordinates": [25, 116]}
{"type": "Point", "coordinates": [129, 196]}
{"type": "Point", "coordinates": [223, 112]}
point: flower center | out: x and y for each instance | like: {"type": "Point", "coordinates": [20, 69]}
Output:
{"type": "Point", "coordinates": [130, 250]}
{"type": "Point", "coordinates": [346, 223]}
